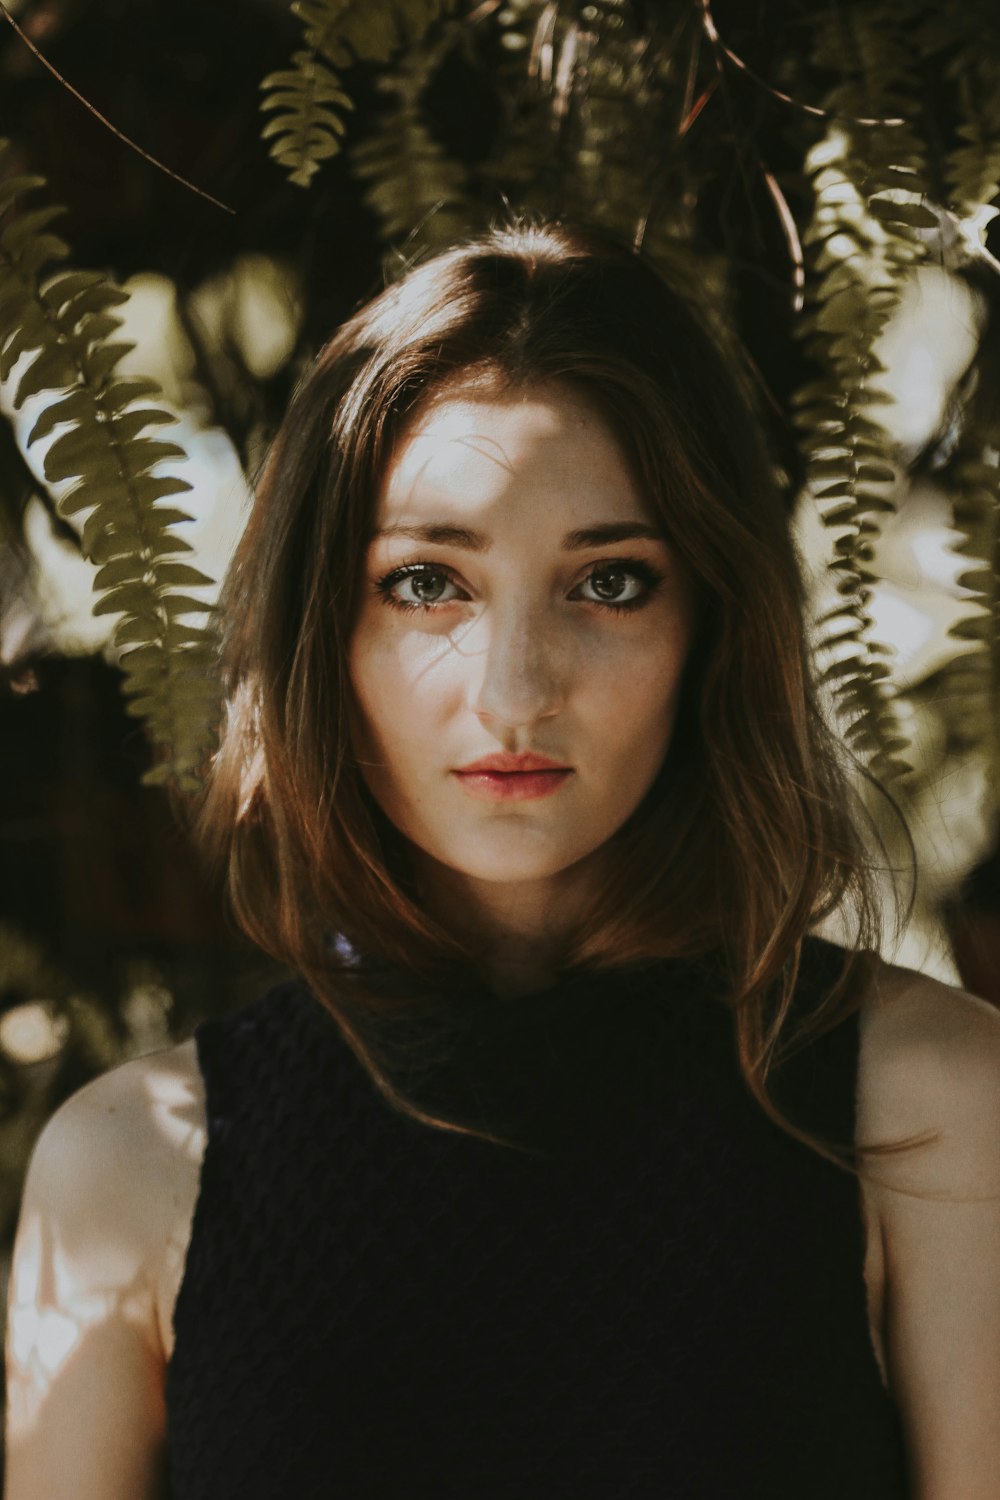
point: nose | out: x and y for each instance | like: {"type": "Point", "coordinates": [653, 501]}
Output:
{"type": "Point", "coordinates": [521, 671]}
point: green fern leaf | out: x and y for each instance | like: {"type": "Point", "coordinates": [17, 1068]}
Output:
{"type": "Point", "coordinates": [120, 570]}
{"type": "Point", "coordinates": [913, 214]}
{"type": "Point", "coordinates": [307, 98]}
{"type": "Point", "coordinates": [861, 245]}
{"type": "Point", "coordinates": [63, 323]}
{"type": "Point", "coordinates": [414, 188]}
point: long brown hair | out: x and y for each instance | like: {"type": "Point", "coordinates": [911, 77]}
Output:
{"type": "Point", "coordinates": [744, 841]}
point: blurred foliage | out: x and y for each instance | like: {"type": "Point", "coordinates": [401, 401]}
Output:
{"type": "Point", "coordinates": [634, 116]}
{"type": "Point", "coordinates": [305, 127]}
{"type": "Point", "coordinates": [792, 164]}
{"type": "Point", "coordinates": [56, 342]}
{"type": "Point", "coordinates": [884, 125]}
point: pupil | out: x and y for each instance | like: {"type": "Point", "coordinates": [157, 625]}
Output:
{"type": "Point", "coordinates": [601, 581]}
{"type": "Point", "coordinates": [426, 584]}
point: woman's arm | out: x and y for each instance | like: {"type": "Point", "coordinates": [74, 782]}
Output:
{"type": "Point", "coordinates": [935, 1054]}
{"type": "Point", "coordinates": [85, 1365]}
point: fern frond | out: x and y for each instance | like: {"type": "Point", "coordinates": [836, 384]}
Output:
{"type": "Point", "coordinates": [308, 99]}
{"type": "Point", "coordinates": [961, 44]}
{"type": "Point", "coordinates": [604, 93]}
{"type": "Point", "coordinates": [100, 462]}
{"type": "Point", "coordinates": [862, 242]}
{"type": "Point", "coordinates": [371, 30]}
{"type": "Point", "coordinates": [306, 129]}
{"type": "Point", "coordinates": [974, 174]}
{"type": "Point", "coordinates": [964, 45]}
{"type": "Point", "coordinates": [415, 189]}
{"type": "Point", "coordinates": [972, 479]}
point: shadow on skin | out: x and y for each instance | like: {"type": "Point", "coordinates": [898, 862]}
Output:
{"type": "Point", "coordinates": [98, 1257]}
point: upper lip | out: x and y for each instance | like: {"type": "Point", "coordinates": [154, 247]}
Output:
{"type": "Point", "coordinates": [503, 761]}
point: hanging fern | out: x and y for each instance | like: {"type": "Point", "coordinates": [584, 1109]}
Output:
{"type": "Point", "coordinates": [606, 105]}
{"type": "Point", "coordinates": [973, 480]}
{"type": "Point", "coordinates": [607, 99]}
{"type": "Point", "coordinates": [972, 474]}
{"type": "Point", "coordinates": [414, 188]}
{"type": "Point", "coordinates": [306, 127]}
{"type": "Point", "coordinates": [868, 183]}
{"type": "Point", "coordinates": [63, 321]}
{"type": "Point", "coordinates": [523, 167]}
{"type": "Point", "coordinates": [962, 46]}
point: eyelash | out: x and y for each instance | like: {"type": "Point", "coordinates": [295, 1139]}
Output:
{"type": "Point", "coordinates": [638, 567]}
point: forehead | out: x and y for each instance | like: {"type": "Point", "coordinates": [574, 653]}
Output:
{"type": "Point", "coordinates": [469, 447]}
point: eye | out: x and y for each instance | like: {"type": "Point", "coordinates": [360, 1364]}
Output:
{"type": "Point", "coordinates": [622, 585]}
{"type": "Point", "coordinates": [427, 584]}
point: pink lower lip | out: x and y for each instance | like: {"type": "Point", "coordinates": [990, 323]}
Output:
{"type": "Point", "coordinates": [511, 786]}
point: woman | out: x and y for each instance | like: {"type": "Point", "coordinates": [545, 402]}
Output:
{"type": "Point", "coordinates": [538, 1176]}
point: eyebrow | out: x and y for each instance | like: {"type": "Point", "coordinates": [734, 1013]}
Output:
{"type": "Point", "coordinates": [442, 534]}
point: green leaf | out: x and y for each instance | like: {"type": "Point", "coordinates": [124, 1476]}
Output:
{"type": "Point", "coordinates": [99, 362]}
{"type": "Point", "coordinates": [85, 448]}
{"type": "Point", "coordinates": [183, 604]}
{"type": "Point", "coordinates": [126, 569]}
{"type": "Point", "coordinates": [52, 370]}
{"type": "Point", "coordinates": [69, 284]}
{"type": "Point", "coordinates": [869, 501]}
{"type": "Point", "coordinates": [17, 186]}
{"type": "Point", "coordinates": [168, 541]}
{"type": "Point", "coordinates": [129, 598]}
{"type": "Point", "coordinates": [851, 666]}
{"type": "Point", "coordinates": [152, 486]}
{"type": "Point", "coordinates": [71, 408]}
{"type": "Point", "coordinates": [177, 634]}
{"type": "Point", "coordinates": [96, 325]}
{"type": "Point", "coordinates": [41, 250]}
{"type": "Point", "coordinates": [173, 572]}
{"type": "Point", "coordinates": [107, 494]}
{"type": "Point", "coordinates": [127, 426]}
{"type": "Point", "coordinates": [162, 515]}
{"type": "Point", "coordinates": [973, 628]}
{"type": "Point", "coordinates": [17, 234]}
{"type": "Point", "coordinates": [843, 487]}
{"type": "Point", "coordinates": [142, 453]}
{"type": "Point", "coordinates": [151, 657]}
{"type": "Point", "coordinates": [123, 390]}
{"type": "Point", "coordinates": [101, 541]}
{"type": "Point", "coordinates": [839, 515]}
{"type": "Point", "coordinates": [136, 629]}
{"type": "Point", "coordinates": [143, 708]}
{"type": "Point", "coordinates": [915, 215]}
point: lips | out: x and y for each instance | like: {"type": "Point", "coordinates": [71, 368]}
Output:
{"type": "Point", "coordinates": [504, 777]}
{"type": "Point", "coordinates": [509, 764]}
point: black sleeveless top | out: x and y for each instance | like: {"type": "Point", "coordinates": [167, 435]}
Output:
{"type": "Point", "coordinates": [662, 1299]}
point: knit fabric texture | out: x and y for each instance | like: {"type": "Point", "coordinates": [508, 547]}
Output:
{"type": "Point", "coordinates": [662, 1299]}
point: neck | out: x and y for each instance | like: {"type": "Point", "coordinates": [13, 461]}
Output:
{"type": "Point", "coordinates": [517, 930]}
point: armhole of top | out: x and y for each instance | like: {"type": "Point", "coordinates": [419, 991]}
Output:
{"type": "Point", "coordinates": [205, 1039]}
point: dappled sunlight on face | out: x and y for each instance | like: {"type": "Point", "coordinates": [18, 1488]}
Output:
{"type": "Point", "coordinates": [519, 595]}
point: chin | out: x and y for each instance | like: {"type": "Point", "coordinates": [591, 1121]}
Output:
{"type": "Point", "coordinates": [507, 865]}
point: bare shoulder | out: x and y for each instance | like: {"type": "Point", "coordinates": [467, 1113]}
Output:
{"type": "Point", "coordinates": [930, 1062]}
{"type": "Point", "coordinates": [119, 1163]}
{"type": "Point", "coordinates": [930, 1067]}
{"type": "Point", "coordinates": [136, 1116]}
{"type": "Point", "coordinates": [105, 1197]}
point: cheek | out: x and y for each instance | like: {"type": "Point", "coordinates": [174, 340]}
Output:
{"type": "Point", "coordinates": [634, 690]}
{"type": "Point", "coordinates": [399, 687]}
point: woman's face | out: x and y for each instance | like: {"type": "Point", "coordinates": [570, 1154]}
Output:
{"type": "Point", "coordinates": [517, 597]}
